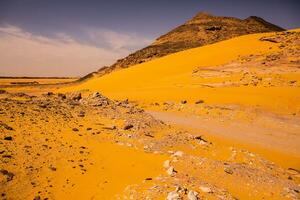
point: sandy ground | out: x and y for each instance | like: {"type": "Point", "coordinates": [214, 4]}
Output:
{"type": "Point", "coordinates": [269, 136]}
{"type": "Point", "coordinates": [61, 147]}
{"type": "Point", "coordinates": [216, 122]}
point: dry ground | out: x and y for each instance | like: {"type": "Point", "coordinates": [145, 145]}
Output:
{"type": "Point", "coordinates": [229, 129]}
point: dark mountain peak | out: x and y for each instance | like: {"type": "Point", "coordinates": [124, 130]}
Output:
{"type": "Point", "coordinates": [202, 15]}
{"type": "Point", "coordinates": [203, 29]}
{"type": "Point", "coordinates": [258, 20]}
{"type": "Point", "coordinates": [255, 18]}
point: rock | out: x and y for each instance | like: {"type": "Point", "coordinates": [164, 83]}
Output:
{"type": "Point", "coordinates": [192, 195]}
{"type": "Point", "coordinates": [81, 114]}
{"type": "Point", "coordinates": [49, 93]}
{"type": "Point", "coordinates": [173, 196]}
{"type": "Point", "coordinates": [2, 91]}
{"type": "Point", "coordinates": [75, 129]}
{"type": "Point", "coordinates": [199, 102]}
{"type": "Point", "coordinates": [178, 154]}
{"type": "Point", "coordinates": [205, 189]}
{"type": "Point", "coordinates": [52, 168]}
{"type": "Point", "coordinates": [61, 96]}
{"type": "Point", "coordinates": [213, 28]}
{"type": "Point", "coordinates": [6, 126]}
{"type": "Point", "coordinates": [110, 127]}
{"type": "Point", "coordinates": [44, 105]}
{"type": "Point", "coordinates": [268, 40]}
{"type": "Point", "coordinates": [166, 164]}
{"type": "Point", "coordinates": [76, 96]}
{"type": "Point", "coordinates": [96, 94]}
{"type": "Point", "coordinates": [183, 101]}
{"type": "Point", "coordinates": [171, 171]}
{"type": "Point", "coordinates": [37, 198]}
{"type": "Point", "coordinates": [228, 170]}
{"type": "Point", "coordinates": [149, 135]}
{"type": "Point", "coordinates": [200, 139]}
{"type": "Point", "coordinates": [128, 126]}
{"type": "Point", "coordinates": [8, 138]}
{"type": "Point", "coordinates": [9, 175]}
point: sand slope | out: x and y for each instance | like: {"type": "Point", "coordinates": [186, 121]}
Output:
{"type": "Point", "coordinates": [172, 78]}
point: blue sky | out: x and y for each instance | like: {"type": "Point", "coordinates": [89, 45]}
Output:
{"type": "Point", "coordinates": [104, 30]}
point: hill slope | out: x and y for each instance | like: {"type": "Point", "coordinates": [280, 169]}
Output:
{"type": "Point", "coordinates": [201, 30]}
{"type": "Point", "coordinates": [174, 77]}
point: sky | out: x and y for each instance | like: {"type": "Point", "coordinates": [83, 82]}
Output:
{"type": "Point", "coordinates": [75, 37]}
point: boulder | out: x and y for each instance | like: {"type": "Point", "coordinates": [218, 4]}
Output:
{"type": "Point", "coordinates": [199, 102]}
{"type": "Point", "coordinates": [8, 138]}
{"type": "Point", "coordinates": [173, 196]}
{"type": "Point", "coordinates": [183, 101]}
{"type": "Point", "coordinates": [76, 96]}
{"type": "Point", "coordinates": [61, 96]}
{"type": "Point", "coordinates": [128, 126]}
{"type": "Point", "coordinates": [192, 195]}
{"type": "Point", "coordinates": [205, 189]}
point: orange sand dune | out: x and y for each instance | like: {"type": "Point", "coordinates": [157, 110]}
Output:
{"type": "Point", "coordinates": [171, 78]}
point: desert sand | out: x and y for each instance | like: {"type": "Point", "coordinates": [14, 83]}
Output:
{"type": "Point", "coordinates": [214, 122]}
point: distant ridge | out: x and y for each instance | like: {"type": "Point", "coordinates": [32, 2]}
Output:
{"type": "Point", "coordinates": [202, 29]}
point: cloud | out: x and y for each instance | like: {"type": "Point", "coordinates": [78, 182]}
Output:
{"type": "Point", "coordinates": [115, 40]}
{"type": "Point", "coordinates": [26, 54]}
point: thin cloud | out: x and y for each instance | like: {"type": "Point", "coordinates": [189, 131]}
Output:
{"type": "Point", "coordinates": [25, 54]}
{"type": "Point", "coordinates": [115, 40]}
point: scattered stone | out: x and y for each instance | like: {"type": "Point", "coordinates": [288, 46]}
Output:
{"type": "Point", "coordinates": [205, 189]}
{"type": "Point", "coordinates": [171, 171]}
{"type": "Point", "coordinates": [52, 168]}
{"type": "Point", "coordinates": [6, 126]}
{"type": "Point", "coordinates": [76, 96]}
{"type": "Point", "coordinates": [183, 101]}
{"type": "Point", "coordinates": [128, 126]}
{"type": "Point", "coordinates": [192, 195]}
{"type": "Point", "coordinates": [110, 127]}
{"type": "Point", "coordinates": [8, 138]}
{"type": "Point", "coordinates": [200, 139]}
{"type": "Point", "coordinates": [149, 135]}
{"type": "Point", "coordinates": [61, 96]}
{"type": "Point", "coordinates": [213, 28]}
{"type": "Point", "coordinates": [2, 91]}
{"type": "Point", "coordinates": [49, 93]}
{"type": "Point", "coordinates": [228, 170]}
{"type": "Point", "coordinates": [9, 175]}
{"type": "Point", "coordinates": [37, 198]}
{"type": "Point", "coordinates": [96, 94]}
{"type": "Point", "coordinates": [75, 129]}
{"type": "Point", "coordinates": [166, 164]}
{"type": "Point", "coordinates": [199, 102]}
{"type": "Point", "coordinates": [43, 105]}
{"type": "Point", "coordinates": [178, 154]}
{"type": "Point", "coordinates": [81, 114]}
{"type": "Point", "coordinates": [268, 40]}
{"type": "Point", "coordinates": [173, 196]}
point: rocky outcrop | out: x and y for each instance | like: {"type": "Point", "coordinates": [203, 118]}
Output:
{"type": "Point", "coordinates": [203, 29]}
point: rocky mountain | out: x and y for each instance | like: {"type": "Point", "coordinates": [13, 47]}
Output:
{"type": "Point", "coordinates": [203, 29]}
